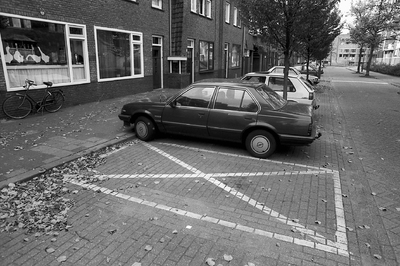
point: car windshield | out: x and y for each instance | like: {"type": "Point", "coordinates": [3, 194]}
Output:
{"type": "Point", "coordinates": [271, 97]}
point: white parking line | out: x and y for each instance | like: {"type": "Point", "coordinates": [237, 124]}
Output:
{"type": "Point", "coordinates": [357, 81]}
{"type": "Point", "coordinates": [322, 243]}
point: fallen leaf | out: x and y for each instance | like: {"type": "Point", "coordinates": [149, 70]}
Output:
{"type": "Point", "coordinates": [376, 256]}
{"type": "Point", "coordinates": [210, 261]}
{"type": "Point", "coordinates": [368, 245]}
{"type": "Point", "coordinates": [148, 248]}
{"type": "Point", "coordinates": [50, 250]}
{"type": "Point", "coordinates": [228, 257]}
{"type": "Point", "coordinates": [62, 258]}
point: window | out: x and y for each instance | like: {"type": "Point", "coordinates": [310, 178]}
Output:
{"type": "Point", "coordinates": [235, 55]}
{"type": "Point", "coordinates": [43, 51]}
{"type": "Point", "coordinates": [227, 12]}
{"type": "Point", "coordinates": [206, 55]}
{"type": "Point", "coordinates": [119, 54]}
{"type": "Point", "coordinates": [276, 84]}
{"type": "Point", "coordinates": [202, 7]}
{"type": "Point", "coordinates": [196, 97]}
{"type": "Point", "coordinates": [235, 100]}
{"type": "Point", "coordinates": [157, 4]}
{"type": "Point", "coordinates": [235, 16]}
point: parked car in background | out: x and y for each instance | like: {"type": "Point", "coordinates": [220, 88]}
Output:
{"type": "Point", "coordinates": [299, 89]}
{"type": "Point", "coordinates": [249, 113]}
{"type": "Point", "coordinates": [293, 71]}
{"type": "Point", "coordinates": [312, 70]}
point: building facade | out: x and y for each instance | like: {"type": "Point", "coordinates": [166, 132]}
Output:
{"type": "Point", "coordinates": [103, 49]}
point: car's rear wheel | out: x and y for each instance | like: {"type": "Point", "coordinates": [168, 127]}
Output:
{"type": "Point", "coordinates": [260, 143]}
{"type": "Point", "coordinates": [144, 128]}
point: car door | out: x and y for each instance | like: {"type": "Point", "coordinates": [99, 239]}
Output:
{"type": "Point", "coordinates": [233, 111]}
{"type": "Point", "coordinates": [293, 91]}
{"type": "Point", "coordinates": [189, 112]}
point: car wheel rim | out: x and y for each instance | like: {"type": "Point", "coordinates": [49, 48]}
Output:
{"type": "Point", "coordinates": [141, 129]}
{"type": "Point", "coordinates": [260, 144]}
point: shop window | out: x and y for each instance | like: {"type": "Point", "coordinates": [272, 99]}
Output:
{"type": "Point", "coordinates": [206, 55]}
{"type": "Point", "coordinates": [38, 50]}
{"type": "Point", "coordinates": [235, 62]}
{"type": "Point", "coordinates": [119, 54]}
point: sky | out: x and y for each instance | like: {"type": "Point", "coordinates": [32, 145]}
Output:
{"type": "Point", "coordinates": [344, 7]}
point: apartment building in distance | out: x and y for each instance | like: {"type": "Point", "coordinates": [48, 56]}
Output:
{"type": "Point", "coordinates": [96, 50]}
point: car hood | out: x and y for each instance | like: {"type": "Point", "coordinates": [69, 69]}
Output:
{"type": "Point", "coordinates": [297, 108]}
{"type": "Point", "coordinates": [157, 98]}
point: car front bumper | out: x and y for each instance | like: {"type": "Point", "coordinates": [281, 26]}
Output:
{"type": "Point", "coordinates": [126, 119]}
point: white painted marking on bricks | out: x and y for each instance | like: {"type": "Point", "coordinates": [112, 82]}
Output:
{"type": "Point", "coordinates": [209, 177]}
{"type": "Point", "coordinates": [301, 228]}
{"type": "Point", "coordinates": [235, 226]}
{"type": "Point", "coordinates": [365, 82]}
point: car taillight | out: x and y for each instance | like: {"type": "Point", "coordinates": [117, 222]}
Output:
{"type": "Point", "coordinates": [310, 129]}
{"type": "Point", "coordinates": [311, 95]}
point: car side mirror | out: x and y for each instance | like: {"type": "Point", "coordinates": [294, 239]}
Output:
{"type": "Point", "coordinates": [173, 104]}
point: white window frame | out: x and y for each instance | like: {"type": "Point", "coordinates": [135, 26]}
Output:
{"type": "Point", "coordinates": [156, 4]}
{"type": "Point", "coordinates": [193, 6]}
{"type": "Point", "coordinates": [227, 12]}
{"type": "Point", "coordinates": [235, 16]}
{"type": "Point", "coordinates": [132, 42]}
{"type": "Point", "coordinates": [68, 37]}
{"type": "Point", "coordinates": [208, 8]}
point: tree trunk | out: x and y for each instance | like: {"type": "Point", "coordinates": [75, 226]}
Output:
{"type": "Point", "coordinates": [359, 59]}
{"type": "Point", "coordinates": [371, 52]}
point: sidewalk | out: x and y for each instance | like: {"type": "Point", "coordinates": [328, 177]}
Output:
{"type": "Point", "coordinates": [43, 141]}
{"type": "Point", "coordinates": [392, 80]}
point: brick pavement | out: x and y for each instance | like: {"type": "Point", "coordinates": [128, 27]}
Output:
{"type": "Point", "coordinates": [181, 201]}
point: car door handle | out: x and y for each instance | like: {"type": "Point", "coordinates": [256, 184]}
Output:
{"type": "Point", "coordinates": [249, 118]}
{"type": "Point", "coordinates": [201, 115]}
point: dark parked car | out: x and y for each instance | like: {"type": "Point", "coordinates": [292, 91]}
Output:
{"type": "Point", "coordinates": [250, 113]}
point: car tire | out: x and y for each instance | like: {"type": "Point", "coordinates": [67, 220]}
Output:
{"type": "Point", "coordinates": [260, 143]}
{"type": "Point", "coordinates": [144, 128]}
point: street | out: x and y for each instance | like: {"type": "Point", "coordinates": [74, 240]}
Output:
{"type": "Point", "coordinates": [184, 201]}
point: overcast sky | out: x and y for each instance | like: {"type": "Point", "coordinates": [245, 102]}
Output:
{"type": "Point", "coordinates": [344, 7]}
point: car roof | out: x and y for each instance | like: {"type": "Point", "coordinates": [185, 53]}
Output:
{"type": "Point", "coordinates": [227, 82]}
{"type": "Point", "coordinates": [269, 74]}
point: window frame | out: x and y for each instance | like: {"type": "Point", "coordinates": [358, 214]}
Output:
{"type": "Point", "coordinates": [235, 16]}
{"type": "Point", "coordinates": [201, 7]}
{"type": "Point", "coordinates": [132, 42]}
{"type": "Point", "coordinates": [67, 38]}
{"type": "Point", "coordinates": [158, 5]}
{"type": "Point", "coordinates": [227, 12]}
{"type": "Point", "coordinates": [235, 60]}
{"type": "Point", "coordinates": [210, 56]}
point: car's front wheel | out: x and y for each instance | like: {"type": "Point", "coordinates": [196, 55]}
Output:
{"type": "Point", "coordinates": [260, 143]}
{"type": "Point", "coordinates": [144, 129]}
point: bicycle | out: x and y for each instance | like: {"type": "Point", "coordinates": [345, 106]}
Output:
{"type": "Point", "coordinates": [20, 105]}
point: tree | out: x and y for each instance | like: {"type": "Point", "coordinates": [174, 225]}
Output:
{"type": "Point", "coordinates": [372, 19]}
{"type": "Point", "coordinates": [326, 26]}
{"type": "Point", "coordinates": [281, 20]}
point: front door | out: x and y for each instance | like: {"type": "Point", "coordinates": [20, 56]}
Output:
{"type": "Point", "coordinates": [190, 61]}
{"type": "Point", "coordinates": [156, 67]}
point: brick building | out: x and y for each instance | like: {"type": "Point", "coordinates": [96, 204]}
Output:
{"type": "Point", "coordinates": [103, 49]}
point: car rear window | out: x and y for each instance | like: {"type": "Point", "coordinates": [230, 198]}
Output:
{"type": "Point", "coordinates": [271, 97]}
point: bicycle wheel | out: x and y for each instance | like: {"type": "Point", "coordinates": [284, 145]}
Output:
{"type": "Point", "coordinates": [17, 107]}
{"type": "Point", "coordinates": [54, 101]}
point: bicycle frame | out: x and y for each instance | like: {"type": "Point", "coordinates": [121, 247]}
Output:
{"type": "Point", "coordinates": [38, 105]}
